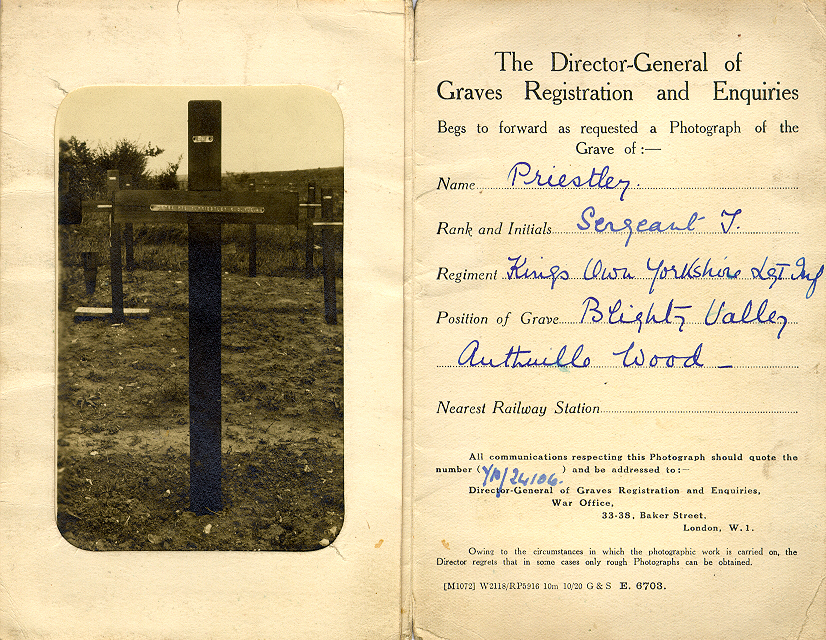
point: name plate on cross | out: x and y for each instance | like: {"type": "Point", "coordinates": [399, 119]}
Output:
{"type": "Point", "coordinates": [206, 207]}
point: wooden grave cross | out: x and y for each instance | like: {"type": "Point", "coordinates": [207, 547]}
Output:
{"type": "Point", "coordinates": [204, 208]}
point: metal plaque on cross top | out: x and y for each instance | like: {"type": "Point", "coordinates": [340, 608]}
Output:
{"type": "Point", "coordinates": [204, 145]}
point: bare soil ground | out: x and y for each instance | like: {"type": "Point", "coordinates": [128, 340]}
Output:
{"type": "Point", "coordinates": [123, 416]}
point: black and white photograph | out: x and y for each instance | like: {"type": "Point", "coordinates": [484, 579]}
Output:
{"type": "Point", "coordinates": [200, 317]}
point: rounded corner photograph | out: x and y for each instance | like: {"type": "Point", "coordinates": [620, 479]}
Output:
{"type": "Point", "coordinates": [200, 360]}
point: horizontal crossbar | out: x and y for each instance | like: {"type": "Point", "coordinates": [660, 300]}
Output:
{"type": "Point", "coordinates": [206, 207]}
{"type": "Point", "coordinates": [95, 205]}
{"type": "Point", "coordinates": [105, 312]}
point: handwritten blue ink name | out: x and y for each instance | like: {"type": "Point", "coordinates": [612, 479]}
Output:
{"type": "Point", "coordinates": [599, 271]}
{"type": "Point", "coordinates": [773, 274]}
{"type": "Point", "coordinates": [598, 179]}
{"type": "Point", "coordinates": [492, 474]}
{"type": "Point", "coordinates": [470, 356]}
{"type": "Point", "coordinates": [601, 225]}
{"type": "Point", "coordinates": [689, 271]}
{"type": "Point", "coordinates": [616, 315]}
{"type": "Point", "coordinates": [669, 361]}
{"type": "Point", "coordinates": [746, 317]}
{"type": "Point", "coordinates": [697, 269]}
{"type": "Point", "coordinates": [519, 270]}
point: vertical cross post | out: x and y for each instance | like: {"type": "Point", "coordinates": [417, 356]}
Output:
{"type": "Point", "coordinates": [328, 252]}
{"type": "Point", "coordinates": [253, 242]}
{"type": "Point", "coordinates": [128, 234]}
{"type": "Point", "coordinates": [116, 276]}
{"type": "Point", "coordinates": [69, 205]}
{"type": "Point", "coordinates": [309, 242]}
{"type": "Point", "coordinates": [205, 314]}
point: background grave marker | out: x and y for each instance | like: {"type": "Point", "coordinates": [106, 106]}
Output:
{"type": "Point", "coordinates": [128, 233]}
{"type": "Point", "coordinates": [116, 279]}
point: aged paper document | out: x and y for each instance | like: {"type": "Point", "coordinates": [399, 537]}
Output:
{"type": "Point", "coordinates": [582, 324]}
{"type": "Point", "coordinates": [127, 63]}
{"type": "Point", "coordinates": [618, 320]}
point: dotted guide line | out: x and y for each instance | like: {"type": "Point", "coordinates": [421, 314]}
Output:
{"type": "Point", "coordinates": [619, 366]}
{"type": "Point", "coordinates": [649, 188]}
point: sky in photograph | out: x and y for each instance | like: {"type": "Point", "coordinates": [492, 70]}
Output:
{"type": "Point", "coordinates": [263, 128]}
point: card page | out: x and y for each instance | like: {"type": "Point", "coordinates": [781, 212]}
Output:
{"type": "Point", "coordinates": [618, 320]}
{"type": "Point", "coordinates": [141, 63]}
